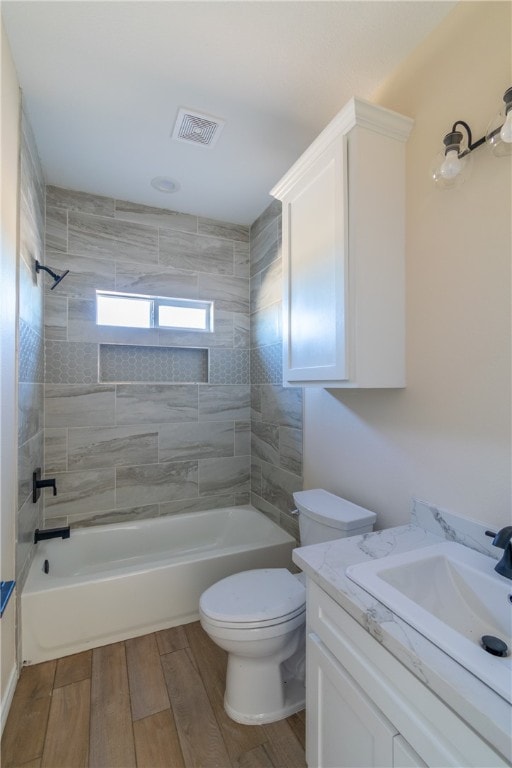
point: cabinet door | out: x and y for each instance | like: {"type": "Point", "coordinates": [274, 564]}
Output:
{"type": "Point", "coordinates": [344, 728]}
{"type": "Point", "coordinates": [315, 271]}
{"type": "Point", "coordinates": [404, 756]}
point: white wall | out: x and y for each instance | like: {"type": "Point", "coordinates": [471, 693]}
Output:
{"type": "Point", "coordinates": [446, 437]}
{"type": "Point", "coordinates": [8, 427]}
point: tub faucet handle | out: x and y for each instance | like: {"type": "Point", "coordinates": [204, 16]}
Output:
{"type": "Point", "coordinates": [37, 484]}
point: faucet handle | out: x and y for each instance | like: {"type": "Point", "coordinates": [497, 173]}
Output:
{"type": "Point", "coordinates": [502, 538]}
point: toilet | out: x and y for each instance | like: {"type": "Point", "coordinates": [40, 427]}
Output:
{"type": "Point", "coordinates": [259, 617]}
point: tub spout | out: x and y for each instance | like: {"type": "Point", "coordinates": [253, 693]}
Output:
{"type": "Point", "coordinates": [51, 533]}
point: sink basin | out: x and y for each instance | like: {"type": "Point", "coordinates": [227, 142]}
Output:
{"type": "Point", "coordinates": [452, 595]}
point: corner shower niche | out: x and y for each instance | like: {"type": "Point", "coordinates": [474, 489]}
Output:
{"type": "Point", "coordinates": [125, 363]}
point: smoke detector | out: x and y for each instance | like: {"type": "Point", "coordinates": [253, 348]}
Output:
{"type": "Point", "coordinates": [196, 128]}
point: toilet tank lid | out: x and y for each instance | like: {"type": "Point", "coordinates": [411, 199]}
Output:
{"type": "Point", "coordinates": [332, 510]}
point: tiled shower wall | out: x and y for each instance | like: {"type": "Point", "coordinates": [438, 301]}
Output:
{"type": "Point", "coordinates": [30, 348]}
{"type": "Point", "coordinates": [143, 434]}
{"type": "Point", "coordinates": [276, 412]}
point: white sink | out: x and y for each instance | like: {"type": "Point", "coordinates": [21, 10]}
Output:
{"type": "Point", "coordinates": [453, 596]}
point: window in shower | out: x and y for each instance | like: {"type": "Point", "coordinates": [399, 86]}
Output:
{"type": "Point", "coordinates": [130, 310]}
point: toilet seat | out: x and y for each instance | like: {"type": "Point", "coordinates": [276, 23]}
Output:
{"type": "Point", "coordinates": [254, 599]}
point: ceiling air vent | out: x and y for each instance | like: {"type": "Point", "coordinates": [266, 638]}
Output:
{"type": "Point", "coordinates": [196, 128]}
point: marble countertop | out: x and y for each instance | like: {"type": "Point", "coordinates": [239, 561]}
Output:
{"type": "Point", "coordinates": [484, 710]}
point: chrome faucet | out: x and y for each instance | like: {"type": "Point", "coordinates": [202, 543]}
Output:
{"type": "Point", "coordinates": [503, 539]}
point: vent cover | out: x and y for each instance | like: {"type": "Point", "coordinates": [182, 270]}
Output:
{"type": "Point", "coordinates": [197, 128]}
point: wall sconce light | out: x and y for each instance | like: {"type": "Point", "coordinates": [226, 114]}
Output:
{"type": "Point", "coordinates": [452, 166]}
{"type": "Point", "coordinates": [499, 132]}
{"type": "Point", "coordinates": [57, 278]}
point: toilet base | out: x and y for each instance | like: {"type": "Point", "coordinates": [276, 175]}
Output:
{"type": "Point", "coordinates": [294, 701]}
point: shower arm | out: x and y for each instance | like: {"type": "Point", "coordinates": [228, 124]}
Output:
{"type": "Point", "coordinates": [40, 266]}
{"type": "Point", "coordinates": [57, 278]}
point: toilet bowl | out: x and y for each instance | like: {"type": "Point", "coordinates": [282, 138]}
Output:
{"type": "Point", "coordinates": [259, 618]}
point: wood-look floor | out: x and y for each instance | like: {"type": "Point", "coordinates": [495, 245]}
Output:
{"type": "Point", "coordinates": [150, 702]}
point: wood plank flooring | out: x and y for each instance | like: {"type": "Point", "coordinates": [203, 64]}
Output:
{"type": "Point", "coordinates": [150, 702]}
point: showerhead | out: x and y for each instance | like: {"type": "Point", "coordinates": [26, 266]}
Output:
{"type": "Point", "coordinates": [57, 278]}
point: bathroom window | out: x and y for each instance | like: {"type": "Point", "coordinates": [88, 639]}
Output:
{"type": "Point", "coordinates": [129, 310]}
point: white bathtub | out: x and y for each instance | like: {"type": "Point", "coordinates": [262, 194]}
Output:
{"type": "Point", "coordinates": [108, 583]}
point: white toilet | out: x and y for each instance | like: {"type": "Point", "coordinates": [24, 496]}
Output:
{"type": "Point", "coordinates": [259, 617]}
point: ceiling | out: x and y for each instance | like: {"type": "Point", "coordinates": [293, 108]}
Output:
{"type": "Point", "coordinates": [103, 83]}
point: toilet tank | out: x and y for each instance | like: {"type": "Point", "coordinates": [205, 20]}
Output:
{"type": "Point", "coordinates": [324, 517]}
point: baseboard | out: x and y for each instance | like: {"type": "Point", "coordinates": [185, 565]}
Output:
{"type": "Point", "coordinates": [7, 700]}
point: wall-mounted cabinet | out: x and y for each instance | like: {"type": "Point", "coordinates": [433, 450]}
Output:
{"type": "Point", "coordinates": [343, 253]}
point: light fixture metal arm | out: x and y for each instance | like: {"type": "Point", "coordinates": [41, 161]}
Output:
{"type": "Point", "coordinates": [471, 145]}
{"type": "Point", "coordinates": [451, 166]}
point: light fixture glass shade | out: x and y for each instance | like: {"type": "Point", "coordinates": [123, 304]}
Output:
{"type": "Point", "coordinates": [499, 131]}
{"type": "Point", "coordinates": [449, 170]}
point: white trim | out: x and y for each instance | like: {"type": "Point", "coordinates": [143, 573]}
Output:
{"type": "Point", "coordinates": [355, 112]}
{"type": "Point", "coordinates": [7, 700]}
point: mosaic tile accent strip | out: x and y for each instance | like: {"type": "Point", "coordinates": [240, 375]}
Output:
{"type": "Point", "coordinates": [71, 362]}
{"type": "Point", "coordinates": [31, 360]}
{"type": "Point", "coordinates": [229, 366]}
{"type": "Point", "coordinates": [152, 364]}
{"type": "Point", "coordinates": [267, 364]}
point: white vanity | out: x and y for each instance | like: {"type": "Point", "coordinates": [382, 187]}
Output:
{"type": "Point", "coordinates": [378, 692]}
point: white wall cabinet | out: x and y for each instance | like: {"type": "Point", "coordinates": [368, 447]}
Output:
{"type": "Point", "coordinates": [404, 755]}
{"type": "Point", "coordinates": [343, 253]}
{"type": "Point", "coordinates": [365, 709]}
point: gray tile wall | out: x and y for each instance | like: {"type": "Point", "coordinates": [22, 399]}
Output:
{"type": "Point", "coordinates": [129, 449]}
{"type": "Point", "coordinates": [30, 346]}
{"type": "Point", "coordinates": [276, 412]}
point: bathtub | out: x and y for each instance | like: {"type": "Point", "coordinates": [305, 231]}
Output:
{"type": "Point", "coordinates": [112, 582]}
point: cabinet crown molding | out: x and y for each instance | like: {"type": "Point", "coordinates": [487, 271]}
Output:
{"type": "Point", "coordinates": [355, 112]}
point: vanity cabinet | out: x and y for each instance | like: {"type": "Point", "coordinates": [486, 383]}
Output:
{"type": "Point", "coordinates": [346, 729]}
{"type": "Point", "coordinates": [343, 207]}
{"type": "Point", "coordinates": [365, 709]}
